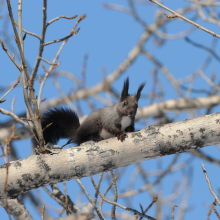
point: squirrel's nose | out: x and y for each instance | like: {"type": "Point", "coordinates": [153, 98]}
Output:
{"type": "Point", "coordinates": [131, 112]}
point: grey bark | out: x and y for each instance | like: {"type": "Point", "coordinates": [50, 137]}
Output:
{"type": "Point", "coordinates": [17, 209]}
{"type": "Point", "coordinates": [92, 158]}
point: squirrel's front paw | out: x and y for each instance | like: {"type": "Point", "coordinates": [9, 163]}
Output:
{"type": "Point", "coordinates": [121, 136]}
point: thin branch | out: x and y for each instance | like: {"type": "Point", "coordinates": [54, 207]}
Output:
{"type": "Point", "coordinates": [11, 88]}
{"type": "Point", "coordinates": [25, 77]}
{"type": "Point", "coordinates": [166, 36]}
{"type": "Point", "coordinates": [210, 186]}
{"type": "Point", "coordinates": [10, 56]}
{"type": "Point", "coordinates": [173, 211]}
{"type": "Point", "coordinates": [115, 196]}
{"type": "Point", "coordinates": [166, 72]}
{"type": "Point", "coordinates": [213, 207]}
{"type": "Point", "coordinates": [208, 80]}
{"type": "Point", "coordinates": [186, 19]}
{"type": "Point", "coordinates": [42, 213]}
{"type": "Point", "coordinates": [42, 38]}
{"type": "Point", "coordinates": [106, 191]}
{"type": "Point", "coordinates": [123, 66]}
{"type": "Point", "coordinates": [154, 200]}
{"type": "Point", "coordinates": [90, 199]}
{"type": "Point", "coordinates": [47, 73]}
{"type": "Point", "coordinates": [60, 198]}
{"type": "Point", "coordinates": [117, 8]}
{"type": "Point", "coordinates": [5, 112]}
{"type": "Point", "coordinates": [6, 209]}
{"type": "Point", "coordinates": [12, 104]}
{"type": "Point", "coordinates": [20, 24]}
{"type": "Point", "coordinates": [67, 100]}
{"type": "Point", "coordinates": [28, 32]}
{"type": "Point", "coordinates": [211, 51]}
{"type": "Point", "coordinates": [199, 153]}
{"type": "Point", "coordinates": [209, 213]}
{"type": "Point", "coordinates": [97, 190]}
{"type": "Point", "coordinates": [57, 18]}
{"type": "Point", "coordinates": [72, 33]}
{"type": "Point", "coordinates": [62, 39]}
{"type": "Point", "coordinates": [50, 63]}
{"type": "Point", "coordinates": [123, 207]}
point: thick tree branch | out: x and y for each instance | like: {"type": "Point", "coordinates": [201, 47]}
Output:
{"type": "Point", "coordinates": [177, 105]}
{"type": "Point", "coordinates": [92, 158]}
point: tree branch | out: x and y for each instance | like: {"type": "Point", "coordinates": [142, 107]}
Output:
{"type": "Point", "coordinates": [185, 19]}
{"type": "Point", "coordinates": [92, 158]}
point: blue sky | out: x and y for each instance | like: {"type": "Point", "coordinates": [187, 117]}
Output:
{"type": "Point", "coordinates": [107, 36]}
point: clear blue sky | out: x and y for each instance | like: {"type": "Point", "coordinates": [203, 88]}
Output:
{"type": "Point", "coordinates": [107, 36]}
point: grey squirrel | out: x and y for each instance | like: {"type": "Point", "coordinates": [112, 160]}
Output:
{"type": "Point", "coordinates": [102, 124]}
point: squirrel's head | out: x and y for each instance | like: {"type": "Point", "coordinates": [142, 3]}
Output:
{"type": "Point", "coordinates": [128, 104]}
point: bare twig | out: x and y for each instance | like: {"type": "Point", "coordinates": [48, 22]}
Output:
{"type": "Point", "coordinates": [28, 32]}
{"type": "Point", "coordinates": [42, 213]}
{"type": "Point", "coordinates": [211, 51]}
{"type": "Point", "coordinates": [67, 195]}
{"type": "Point", "coordinates": [117, 8]}
{"type": "Point", "coordinates": [41, 47]}
{"type": "Point", "coordinates": [46, 61]}
{"type": "Point", "coordinates": [66, 98]}
{"type": "Point", "coordinates": [115, 196]}
{"type": "Point", "coordinates": [215, 211]}
{"type": "Point", "coordinates": [209, 213]}
{"type": "Point", "coordinates": [97, 190]}
{"type": "Point", "coordinates": [66, 206]}
{"type": "Point", "coordinates": [12, 105]}
{"type": "Point", "coordinates": [173, 211]}
{"type": "Point", "coordinates": [90, 199]}
{"type": "Point", "coordinates": [55, 19]}
{"type": "Point", "coordinates": [5, 112]}
{"type": "Point", "coordinates": [44, 80]}
{"type": "Point", "coordinates": [132, 55]}
{"type": "Point", "coordinates": [11, 88]}
{"type": "Point", "coordinates": [10, 56]}
{"type": "Point", "coordinates": [208, 80]}
{"type": "Point", "coordinates": [25, 78]}
{"type": "Point", "coordinates": [154, 200]}
{"type": "Point", "coordinates": [123, 207]}
{"type": "Point", "coordinates": [61, 199]}
{"type": "Point", "coordinates": [210, 186]}
{"type": "Point", "coordinates": [166, 72]}
{"type": "Point", "coordinates": [186, 19]}
{"type": "Point", "coordinates": [62, 39]}
{"type": "Point", "coordinates": [72, 33]}
{"type": "Point", "coordinates": [6, 209]}
{"type": "Point", "coordinates": [106, 191]}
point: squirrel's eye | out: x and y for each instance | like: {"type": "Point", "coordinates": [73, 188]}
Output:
{"type": "Point", "coordinates": [124, 104]}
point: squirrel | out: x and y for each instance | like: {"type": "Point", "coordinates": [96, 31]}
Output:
{"type": "Point", "coordinates": [102, 124]}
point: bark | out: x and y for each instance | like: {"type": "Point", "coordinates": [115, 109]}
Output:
{"type": "Point", "coordinates": [17, 209]}
{"type": "Point", "coordinates": [92, 158]}
{"type": "Point", "coordinates": [177, 105]}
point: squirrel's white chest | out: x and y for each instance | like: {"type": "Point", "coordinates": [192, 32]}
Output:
{"type": "Point", "coordinates": [125, 122]}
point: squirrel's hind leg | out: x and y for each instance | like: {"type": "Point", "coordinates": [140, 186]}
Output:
{"type": "Point", "coordinates": [95, 137]}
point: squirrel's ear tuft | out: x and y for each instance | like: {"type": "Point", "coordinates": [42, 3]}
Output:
{"type": "Point", "coordinates": [124, 92]}
{"type": "Point", "coordinates": [139, 90]}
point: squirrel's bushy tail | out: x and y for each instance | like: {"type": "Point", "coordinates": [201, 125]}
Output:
{"type": "Point", "coordinates": [65, 123]}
